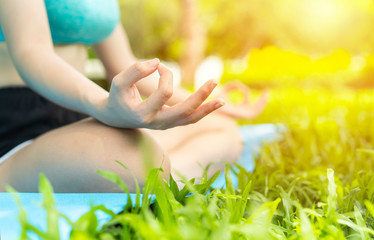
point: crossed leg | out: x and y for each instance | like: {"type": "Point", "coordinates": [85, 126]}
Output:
{"type": "Point", "coordinates": [69, 156]}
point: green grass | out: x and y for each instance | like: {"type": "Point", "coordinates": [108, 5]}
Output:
{"type": "Point", "coordinates": [317, 183]}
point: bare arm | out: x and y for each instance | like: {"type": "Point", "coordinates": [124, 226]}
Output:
{"type": "Point", "coordinates": [26, 30]}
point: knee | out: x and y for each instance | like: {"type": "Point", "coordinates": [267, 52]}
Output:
{"type": "Point", "coordinates": [140, 152]}
{"type": "Point", "coordinates": [230, 134]}
{"type": "Point", "coordinates": [219, 122]}
{"type": "Point", "coordinates": [152, 155]}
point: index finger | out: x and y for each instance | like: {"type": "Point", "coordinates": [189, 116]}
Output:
{"type": "Point", "coordinates": [136, 72]}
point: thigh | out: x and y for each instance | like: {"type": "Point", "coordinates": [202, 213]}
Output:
{"type": "Point", "coordinates": [70, 156]}
{"type": "Point", "coordinates": [174, 138]}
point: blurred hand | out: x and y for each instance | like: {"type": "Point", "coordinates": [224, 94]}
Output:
{"type": "Point", "coordinates": [246, 109]}
{"type": "Point", "coordinates": [125, 108]}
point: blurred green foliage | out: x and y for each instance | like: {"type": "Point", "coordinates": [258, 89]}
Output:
{"type": "Point", "coordinates": [152, 27]}
{"type": "Point", "coordinates": [314, 27]}
{"type": "Point", "coordinates": [274, 67]}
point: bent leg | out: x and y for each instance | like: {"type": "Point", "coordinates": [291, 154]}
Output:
{"type": "Point", "coordinates": [214, 139]}
{"type": "Point", "coordinates": [69, 156]}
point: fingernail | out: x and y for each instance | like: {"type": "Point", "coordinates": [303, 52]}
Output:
{"type": "Point", "coordinates": [220, 103]}
{"type": "Point", "coordinates": [154, 62]}
{"type": "Point", "coordinates": [213, 83]}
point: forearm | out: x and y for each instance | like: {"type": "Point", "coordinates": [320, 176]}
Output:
{"type": "Point", "coordinates": [49, 75]}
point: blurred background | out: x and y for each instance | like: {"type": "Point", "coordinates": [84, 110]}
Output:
{"type": "Point", "coordinates": [264, 43]}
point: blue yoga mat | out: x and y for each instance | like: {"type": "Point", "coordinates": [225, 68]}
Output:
{"type": "Point", "coordinates": [73, 205]}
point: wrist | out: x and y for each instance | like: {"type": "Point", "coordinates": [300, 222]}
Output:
{"type": "Point", "coordinates": [95, 103]}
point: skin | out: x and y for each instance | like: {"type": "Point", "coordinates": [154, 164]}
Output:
{"type": "Point", "coordinates": [170, 122]}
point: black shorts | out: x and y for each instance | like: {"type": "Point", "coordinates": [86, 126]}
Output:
{"type": "Point", "coordinates": [25, 115]}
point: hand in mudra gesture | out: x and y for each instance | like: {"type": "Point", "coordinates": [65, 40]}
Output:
{"type": "Point", "coordinates": [246, 109]}
{"type": "Point", "coordinates": [125, 108]}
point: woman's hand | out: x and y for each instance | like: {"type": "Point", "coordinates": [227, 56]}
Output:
{"type": "Point", "coordinates": [125, 108]}
{"type": "Point", "coordinates": [246, 109]}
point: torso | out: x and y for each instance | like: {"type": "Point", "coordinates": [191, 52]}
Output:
{"type": "Point", "coordinates": [73, 24]}
{"type": "Point", "coordinates": [74, 54]}
{"type": "Point", "coordinates": [84, 21]}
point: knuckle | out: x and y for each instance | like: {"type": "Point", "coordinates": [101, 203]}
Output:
{"type": "Point", "coordinates": [201, 95]}
{"type": "Point", "coordinates": [184, 115]}
{"type": "Point", "coordinates": [116, 83]}
{"type": "Point", "coordinates": [204, 92]}
{"type": "Point", "coordinates": [167, 93]}
{"type": "Point", "coordinates": [194, 120]}
{"type": "Point", "coordinates": [116, 80]}
{"type": "Point", "coordinates": [138, 69]}
{"type": "Point", "coordinates": [188, 111]}
{"type": "Point", "coordinates": [191, 120]}
{"type": "Point", "coordinates": [147, 120]}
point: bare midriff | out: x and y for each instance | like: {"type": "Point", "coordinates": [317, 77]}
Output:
{"type": "Point", "coordinates": [74, 54]}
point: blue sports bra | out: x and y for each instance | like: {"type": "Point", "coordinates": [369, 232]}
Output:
{"type": "Point", "coordinates": [82, 21]}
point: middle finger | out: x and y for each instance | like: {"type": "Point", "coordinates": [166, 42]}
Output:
{"type": "Point", "coordinates": [186, 108]}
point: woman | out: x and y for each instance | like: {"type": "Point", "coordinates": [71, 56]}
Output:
{"type": "Point", "coordinates": [44, 55]}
